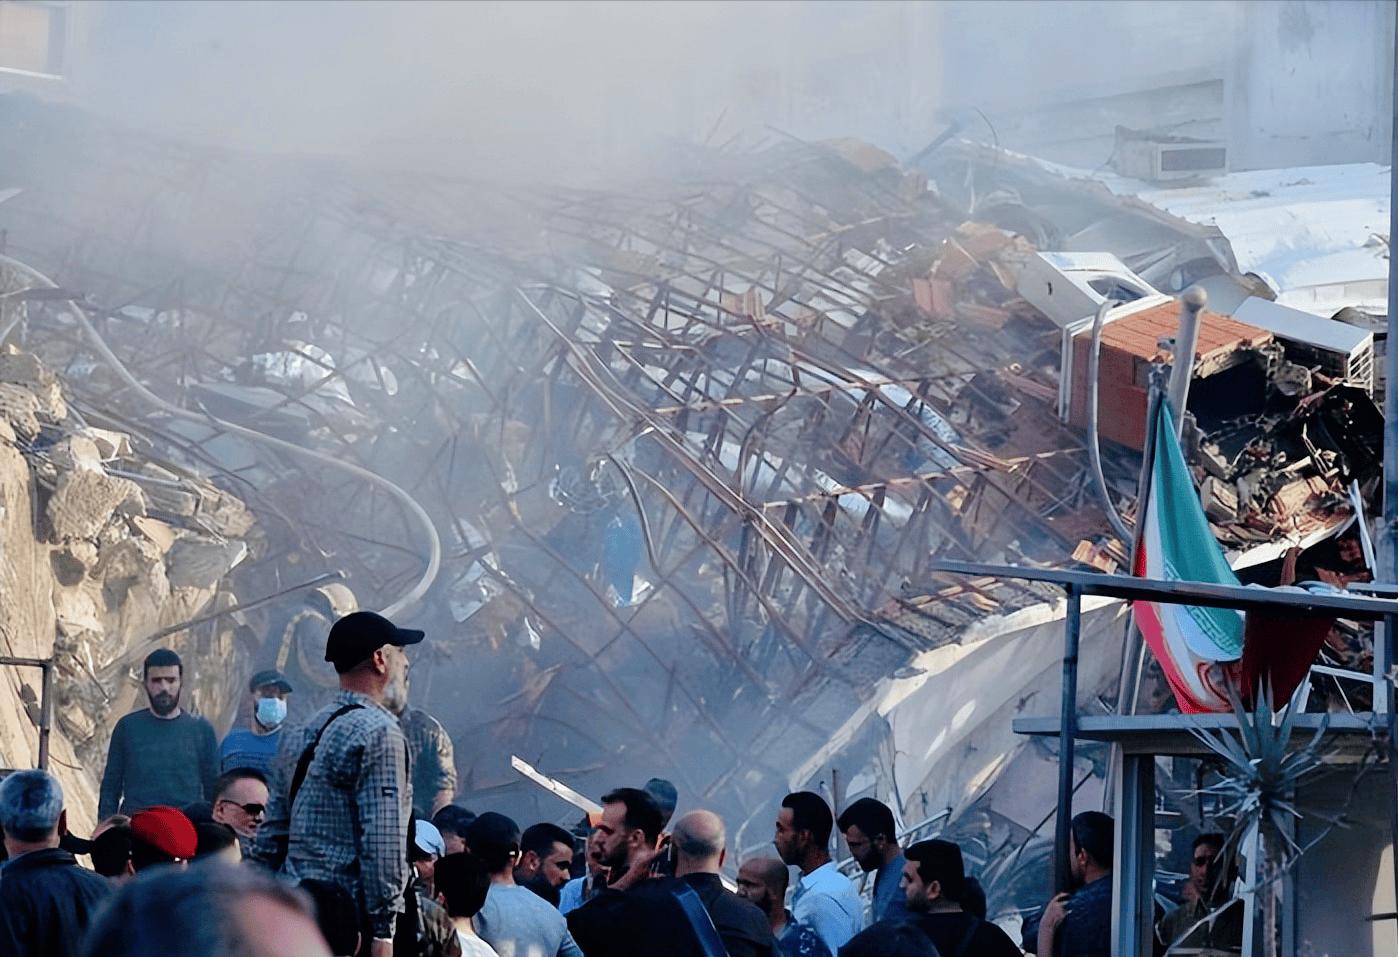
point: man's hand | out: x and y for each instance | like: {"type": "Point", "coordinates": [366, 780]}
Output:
{"type": "Point", "coordinates": [381, 948]}
{"type": "Point", "coordinates": [1054, 914]}
{"type": "Point", "coordinates": [639, 869]}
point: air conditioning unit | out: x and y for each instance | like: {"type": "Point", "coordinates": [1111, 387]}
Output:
{"type": "Point", "coordinates": [1160, 158]}
{"type": "Point", "coordinates": [1337, 349]}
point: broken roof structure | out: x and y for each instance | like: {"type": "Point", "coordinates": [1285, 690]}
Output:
{"type": "Point", "coordinates": [1314, 238]}
{"type": "Point", "coordinates": [689, 449]}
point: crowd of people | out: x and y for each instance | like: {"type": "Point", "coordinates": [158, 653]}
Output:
{"type": "Point", "coordinates": [339, 836]}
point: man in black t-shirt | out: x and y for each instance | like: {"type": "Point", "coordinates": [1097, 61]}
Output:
{"type": "Point", "coordinates": [934, 879]}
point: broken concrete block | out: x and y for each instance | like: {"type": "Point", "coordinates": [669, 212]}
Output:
{"type": "Point", "coordinates": [198, 562]}
{"type": "Point", "coordinates": [19, 408]}
{"type": "Point", "coordinates": [77, 613]}
{"type": "Point", "coordinates": [156, 532]}
{"type": "Point", "coordinates": [25, 370]}
{"type": "Point", "coordinates": [85, 501]}
{"type": "Point", "coordinates": [131, 563]}
{"type": "Point", "coordinates": [223, 513]}
{"type": "Point", "coordinates": [109, 444]}
{"type": "Point", "coordinates": [76, 452]}
{"type": "Point", "coordinates": [68, 569]}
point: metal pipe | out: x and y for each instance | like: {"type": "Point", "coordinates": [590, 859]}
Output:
{"type": "Point", "coordinates": [1094, 444]}
{"type": "Point", "coordinates": [1067, 730]}
{"type": "Point", "coordinates": [1133, 649]}
{"type": "Point", "coordinates": [45, 714]}
{"type": "Point", "coordinates": [1192, 303]}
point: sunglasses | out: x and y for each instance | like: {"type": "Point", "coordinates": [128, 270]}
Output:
{"type": "Point", "coordinates": [1203, 861]}
{"type": "Point", "coordinates": [251, 810]}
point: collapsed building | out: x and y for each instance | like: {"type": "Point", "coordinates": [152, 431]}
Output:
{"type": "Point", "coordinates": [662, 472]}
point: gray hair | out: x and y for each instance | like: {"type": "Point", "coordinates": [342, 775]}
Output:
{"type": "Point", "coordinates": [197, 906]}
{"type": "Point", "coordinates": [30, 804]}
{"type": "Point", "coordinates": [699, 835]}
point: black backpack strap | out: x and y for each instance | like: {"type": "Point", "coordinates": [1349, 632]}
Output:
{"type": "Point", "coordinates": [303, 764]}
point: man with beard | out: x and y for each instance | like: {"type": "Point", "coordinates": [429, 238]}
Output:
{"type": "Point", "coordinates": [344, 814]}
{"type": "Point", "coordinates": [824, 900]}
{"type": "Point", "coordinates": [162, 754]}
{"type": "Point", "coordinates": [763, 881]}
{"type": "Point", "coordinates": [873, 842]}
{"type": "Point", "coordinates": [627, 919]}
{"type": "Point", "coordinates": [545, 857]}
{"type": "Point", "coordinates": [934, 882]}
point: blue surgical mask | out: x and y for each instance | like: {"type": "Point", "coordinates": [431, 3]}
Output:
{"type": "Point", "coordinates": [271, 712]}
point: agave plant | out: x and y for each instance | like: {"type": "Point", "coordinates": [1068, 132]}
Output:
{"type": "Point", "coordinates": [1260, 775]}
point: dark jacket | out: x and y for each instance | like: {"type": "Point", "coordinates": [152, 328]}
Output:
{"type": "Point", "coordinates": [46, 903]}
{"type": "Point", "coordinates": [744, 928]}
{"type": "Point", "coordinates": [648, 921]}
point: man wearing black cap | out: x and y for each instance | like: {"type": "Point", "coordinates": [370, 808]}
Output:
{"type": "Point", "coordinates": [341, 795]}
{"type": "Point", "coordinates": [256, 745]}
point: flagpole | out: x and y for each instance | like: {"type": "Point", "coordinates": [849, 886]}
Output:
{"type": "Point", "coordinates": [1128, 683]}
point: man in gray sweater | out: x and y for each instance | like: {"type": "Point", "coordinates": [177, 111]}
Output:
{"type": "Point", "coordinates": [160, 754]}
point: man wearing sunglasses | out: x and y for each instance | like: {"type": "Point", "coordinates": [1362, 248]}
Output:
{"type": "Point", "coordinates": [240, 800]}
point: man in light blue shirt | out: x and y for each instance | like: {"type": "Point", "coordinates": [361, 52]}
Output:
{"type": "Point", "coordinates": [825, 900]}
{"type": "Point", "coordinates": [869, 832]}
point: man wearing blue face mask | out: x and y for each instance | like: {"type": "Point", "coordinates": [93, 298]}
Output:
{"type": "Point", "coordinates": [256, 745]}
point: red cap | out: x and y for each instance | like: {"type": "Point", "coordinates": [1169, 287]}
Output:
{"type": "Point", "coordinates": [167, 830]}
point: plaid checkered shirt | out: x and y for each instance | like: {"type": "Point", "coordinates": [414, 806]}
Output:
{"type": "Point", "coordinates": [349, 824]}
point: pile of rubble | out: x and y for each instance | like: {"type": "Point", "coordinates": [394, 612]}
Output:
{"type": "Point", "coordinates": [106, 544]}
{"type": "Point", "coordinates": [690, 448]}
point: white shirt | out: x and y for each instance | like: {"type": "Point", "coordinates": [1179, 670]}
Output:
{"type": "Point", "coordinates": [473, 946]}
{"type": "Point", "coordinates": [827, 903]}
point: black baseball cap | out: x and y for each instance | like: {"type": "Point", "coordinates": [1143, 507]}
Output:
{"type": "Point", "coordinates": [270, 676]}
{"type": "Point", "coordinates": [359, 634]}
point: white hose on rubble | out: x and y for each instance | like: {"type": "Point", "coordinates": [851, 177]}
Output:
{"type": "Point", "coordinates": [1094, 443]}
{"type": "Point", "coordinates": [434, 541]}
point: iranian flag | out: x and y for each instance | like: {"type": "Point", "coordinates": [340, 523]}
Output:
{"type": "Point", "coordinates": [1194, 646]}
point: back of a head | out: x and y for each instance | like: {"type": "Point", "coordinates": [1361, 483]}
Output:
{"type": "Point", "coordinates": [940, 861]}
{"type": "Point", "coordinates": [666, 797]}
{"type": "Point", "coordinates": [336, 915]}
{"type": "Point", "coordinates": [494, 839]}
{"type": "Point", "coordinates": [1093, 833]}
{"type": "Point", "coordinates": [464, 881]}
{"type": "Point", "coordinates": [194, 909]}
{"type": "Point", "coordinates": [642, 813]}
{"type": "Point", "coordinates": [111, 850]}
{"type": "Point", "coordinates": [213, 838]}
{"type": "Point", "coordinates": [871, 816]}
{"type": "Point", "coordinates": [809, 812]}
{"type": "Point", "coordinates": [890, 939]}
{"type": "Point", "coordinates": [699, 837]}
{"type": "Point", "coordinates": [31, 802]}
{"type": "Point", "coordinates": [973, 899]}
{"type": "Point", "coordinates": [540, 838]}
{"type": "Point", "coordinates": [453, 819]}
